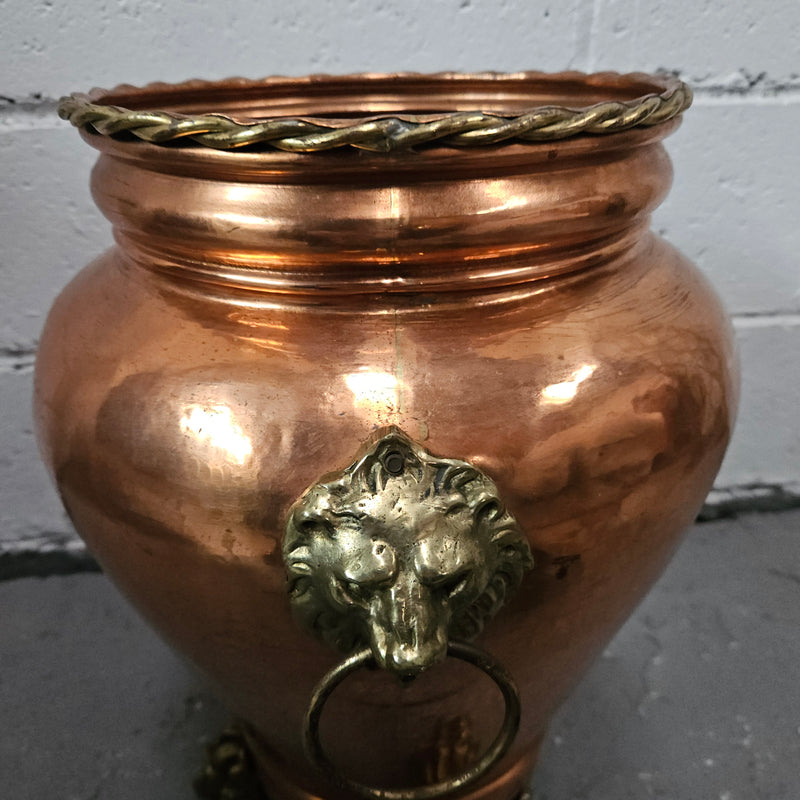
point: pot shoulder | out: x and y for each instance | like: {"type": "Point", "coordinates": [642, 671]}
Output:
{"type": "Point", "coordinates": [597, 379]}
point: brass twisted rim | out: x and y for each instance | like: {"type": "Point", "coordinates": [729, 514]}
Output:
{"type": "Point", "coordinates": [383, 133]}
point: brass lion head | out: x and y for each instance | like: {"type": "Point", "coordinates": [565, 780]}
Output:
{"type": "Point", "coordinates": [401, 551]}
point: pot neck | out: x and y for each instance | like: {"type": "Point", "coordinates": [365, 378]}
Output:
{"type": "Point", "coordinates": [347, 223]}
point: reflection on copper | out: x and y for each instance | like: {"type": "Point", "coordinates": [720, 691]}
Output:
{"type": "Point", "coordinates": [373, 390]}
{"type": "Point", "coordinates": [500, 191]}
{"type": "Point", "coordinates": [240, 219]}
{"type": "Point", "coordinates": [564, 391]}
{"type": "Point", "coordinates": [236, 194]}
{"type": "Point", "coordinates": [215, 427]}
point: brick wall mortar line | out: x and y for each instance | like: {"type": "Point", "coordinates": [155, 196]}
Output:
{"type": "Point", "coordinates": [16, 359]}
{"type": "Point", "coordinates": [766, 319]}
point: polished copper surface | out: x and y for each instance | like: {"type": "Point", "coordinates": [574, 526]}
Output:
{"type": "Point", "coordinates": [263, 313]}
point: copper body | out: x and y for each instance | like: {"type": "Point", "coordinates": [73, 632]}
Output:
{"type": "Point", "coordinates": [263, 313]}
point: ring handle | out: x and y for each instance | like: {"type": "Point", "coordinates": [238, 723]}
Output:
{"type": "Point", "coordinates": [499, 747]}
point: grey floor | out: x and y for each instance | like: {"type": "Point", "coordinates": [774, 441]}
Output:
{"type": "Point", "coordinates": [697, 698]}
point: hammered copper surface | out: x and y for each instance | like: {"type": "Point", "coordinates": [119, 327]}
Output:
{"type": "Point", "coordinates": [264, 313]}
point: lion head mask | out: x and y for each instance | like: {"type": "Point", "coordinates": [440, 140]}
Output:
{"type": "Point", "coordinates": [401, 551]}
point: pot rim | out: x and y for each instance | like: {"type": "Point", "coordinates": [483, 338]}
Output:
{"type": "Point", "coordinates": [380, 112]}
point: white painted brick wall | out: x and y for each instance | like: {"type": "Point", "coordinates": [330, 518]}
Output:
{"type": "Point", "coordinates": [733, 209]}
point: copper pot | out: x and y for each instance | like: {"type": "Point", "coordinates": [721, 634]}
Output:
{"type": "Point", "coordinates": [440, 348]}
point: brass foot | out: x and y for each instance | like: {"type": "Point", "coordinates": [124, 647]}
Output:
{"type": "Point", "coordinates": [229, 772]}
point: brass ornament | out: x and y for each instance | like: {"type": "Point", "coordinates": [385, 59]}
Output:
{"type": "Point", "coordinates": [379, 133]}
{"type": "Point", "coordinates": [401, 552]}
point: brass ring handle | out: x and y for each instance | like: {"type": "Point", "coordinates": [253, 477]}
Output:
{"type": "Point", "coordinates": [499, 747]}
